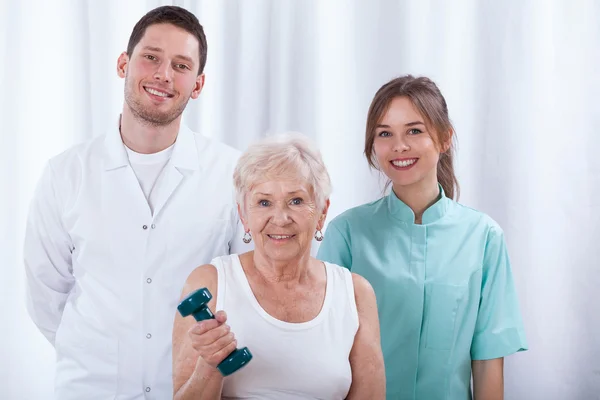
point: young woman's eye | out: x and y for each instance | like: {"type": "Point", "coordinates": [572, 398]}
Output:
{"type": "Point", "coordinates": [415, 131]}
{"type": "Point", "coordinates": [384, 134]}
{"type": "Point", "coordinates": [264, 203]}
{"type": "Point", "coordinates": [297, 201]}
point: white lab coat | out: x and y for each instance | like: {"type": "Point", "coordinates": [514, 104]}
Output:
{"type": "Point", "coordinates": [104, 275]}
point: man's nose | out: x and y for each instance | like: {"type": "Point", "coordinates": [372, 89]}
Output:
{"type": "Point", "coordinates": [164, 72]}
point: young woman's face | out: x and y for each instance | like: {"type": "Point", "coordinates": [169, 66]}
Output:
{"type": "Point", "coordinates": [404, 146]}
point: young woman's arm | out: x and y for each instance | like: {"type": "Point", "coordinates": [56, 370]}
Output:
{"type": "Point", "coordinates": [499, 328]}
{"type": "Point", "coordinates": [488, 379]}
{"type": "Point", "coordinates": [199, 347]}
{"type": "Point", "coordinates": [366, 357]}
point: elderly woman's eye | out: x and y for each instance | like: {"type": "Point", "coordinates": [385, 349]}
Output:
{"type": "Point", "coordinates": [264, 203]}
{"type": "Point", "coordinates": [297, 201]}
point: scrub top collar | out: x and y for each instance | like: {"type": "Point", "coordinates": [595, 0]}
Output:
{"type": "Point", "coordinates": [399, 210]}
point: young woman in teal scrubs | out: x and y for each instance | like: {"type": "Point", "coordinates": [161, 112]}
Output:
{"type": "Point", "coordinates": [447, 303]}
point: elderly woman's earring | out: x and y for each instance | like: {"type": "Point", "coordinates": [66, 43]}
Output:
{"type": "Point", "coordinates": [247, 237]}
{"type": "Point", "coordinates": [319, 235]}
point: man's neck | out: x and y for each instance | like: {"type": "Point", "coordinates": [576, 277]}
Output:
{"type": "Point", "coordinates": [146, 138]}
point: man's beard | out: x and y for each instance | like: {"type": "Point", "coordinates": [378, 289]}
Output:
{"type": "Point", "coordinates": [148, 116]}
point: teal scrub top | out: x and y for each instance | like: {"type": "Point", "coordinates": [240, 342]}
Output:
{"type": "Point", "coordinates": [445, 291]}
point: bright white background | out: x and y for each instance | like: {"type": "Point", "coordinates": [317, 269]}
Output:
{"type": "Point", "coordinates": [521, 78]}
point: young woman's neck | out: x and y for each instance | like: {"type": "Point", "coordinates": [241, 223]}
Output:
{"type": "Point", "coordinates": [419, 197]}
{"type": "Point", "coordinates": [146, 138]}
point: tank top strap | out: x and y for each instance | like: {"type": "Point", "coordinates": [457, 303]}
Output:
{"type": "Point", "coordinates": [222, 264]}
{"type": "Point", "coordinates": [347, 277]}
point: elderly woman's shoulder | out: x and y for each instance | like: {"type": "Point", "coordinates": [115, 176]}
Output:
{"type": "Point", "coordinates": [202, 276]}
{"type": "Point", "coordinates": [361, 283]}
{"type": "Point", "coordinates": [363, 293]}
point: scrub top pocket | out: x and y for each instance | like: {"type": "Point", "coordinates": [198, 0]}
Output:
{"type": "Point", "coordinates": [441, 314]}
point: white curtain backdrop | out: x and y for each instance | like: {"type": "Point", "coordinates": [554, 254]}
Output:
{"type": "Point", "coordinates": [521, 78]}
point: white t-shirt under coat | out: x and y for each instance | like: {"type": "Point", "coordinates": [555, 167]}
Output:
{"type": "Point", "coordinates": [148, 170]}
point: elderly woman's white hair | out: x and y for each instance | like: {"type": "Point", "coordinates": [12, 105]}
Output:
{"type": "Point", "coordinates": [289, 154]}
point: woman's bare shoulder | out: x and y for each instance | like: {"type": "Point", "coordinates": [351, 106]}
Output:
{"type": "Point", "coordinates": [363, 291]}
{"type": "Point", "coordinates": [202, 276]}
{"type": "Point", "coordinates": [361, 283]}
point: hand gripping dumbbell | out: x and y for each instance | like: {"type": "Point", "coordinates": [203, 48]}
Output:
{"type": "Point", "coordinates": [196, 304]}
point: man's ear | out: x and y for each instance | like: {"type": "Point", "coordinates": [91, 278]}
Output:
{"type": "Point", "coordinates": [198, 87]}
{"type": "Point", "coordinates": [323, 216]}
{"type": "Point", "coordinates": [122, 63]}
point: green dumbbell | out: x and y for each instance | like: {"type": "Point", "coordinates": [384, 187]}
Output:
{"type": "Point", "coordinates": [196, 304]}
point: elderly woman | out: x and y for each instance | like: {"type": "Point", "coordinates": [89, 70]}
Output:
{"type": "Point", "coordinates": [312, 327]}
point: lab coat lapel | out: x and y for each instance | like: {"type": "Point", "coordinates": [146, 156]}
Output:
{"type": "Point", "coordinates": [183, 160]}
{"type": "Point", "coordinates": [119, 181]}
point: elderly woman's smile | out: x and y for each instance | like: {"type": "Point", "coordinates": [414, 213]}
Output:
{"type": "Point", "coordinates": [280, 238]}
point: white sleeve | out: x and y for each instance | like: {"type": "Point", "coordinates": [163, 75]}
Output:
{"type": "Point", "coordinates": [47, 257]}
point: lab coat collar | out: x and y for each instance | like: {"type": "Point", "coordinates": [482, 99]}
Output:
{"type": "Point", "coordinates": [185, 152]}
{"type": "Point", "coordinates": [404, 213]}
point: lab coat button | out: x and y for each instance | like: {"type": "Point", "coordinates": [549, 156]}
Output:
{"type": "Point", "coordinates": [148, 336]}
{"type": "Point", "coordinates": [145, 227]}
{"type": "Point", "coordinates": [148, 389]}
{"type": "Point", "coordinates": [152, 226]}
{"type": "Point", "coordinates": [149, 280]}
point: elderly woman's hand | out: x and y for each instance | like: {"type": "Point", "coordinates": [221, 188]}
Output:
{"type": "Point", "coordinates": [213, 339]}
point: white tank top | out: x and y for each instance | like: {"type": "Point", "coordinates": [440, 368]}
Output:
{"type": "Point", "coordinates": [308, 360]}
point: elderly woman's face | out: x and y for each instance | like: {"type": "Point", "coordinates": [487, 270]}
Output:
{"type": "Point", "coordinates": [282, 217]}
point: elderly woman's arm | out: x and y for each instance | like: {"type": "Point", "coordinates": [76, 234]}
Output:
{"type": "Point", "coordinates": [366, 357]}
{"type": "Point", "coordinates": [193, 377]}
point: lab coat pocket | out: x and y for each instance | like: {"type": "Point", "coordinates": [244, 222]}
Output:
{"type": "Point", "coordinates": [86, 358]}
{"type": "Point", "coordinates": [442, 311]}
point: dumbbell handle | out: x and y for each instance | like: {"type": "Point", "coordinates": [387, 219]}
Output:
{"type": "Point", "coordinates": [203, 314]}
{"type": "Point", "coordinates": [196, 305]}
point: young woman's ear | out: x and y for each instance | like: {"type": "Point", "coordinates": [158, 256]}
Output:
{"type": "Point", "coordinates": [448, 143]}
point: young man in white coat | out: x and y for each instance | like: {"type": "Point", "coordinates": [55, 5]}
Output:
{"type": "Point", "coordinates": [118, 223]}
